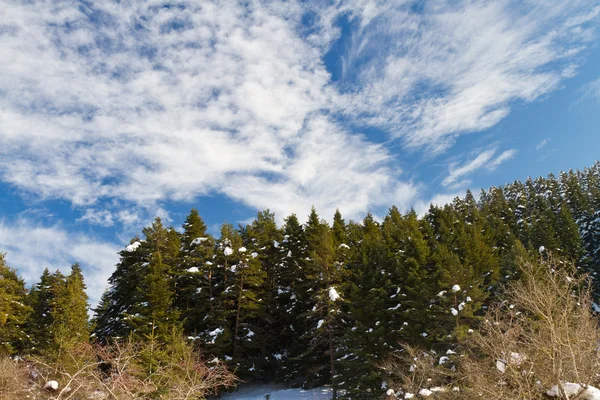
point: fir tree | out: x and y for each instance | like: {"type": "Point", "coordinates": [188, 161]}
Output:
{"type": "Point", "coordinates": [262, 240]}
{"type": "Point", "coordinates": [69, 310]}
{"type": "Point", "coordinates": [322, 319]}
{"type": "Point", "coordinates": [111, 319]}
{"type": "Point", "coordinates": [194, 274]}
{"type": "Point", "coordinates": [290, 301]}
{"type": "Point", "coordinates": [40, 326]}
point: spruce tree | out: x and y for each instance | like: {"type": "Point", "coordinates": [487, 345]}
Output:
{"type": "Point", "coordinates": [40, 326]}
{"type": "Point", "coordinates": [369, 305]}
{"type": "Point", "coordinates": [262, 239]}
{"type": "Point", "coordinates": [69, 310]}
{"type": "Point", "coordinates": [290, 301]}
{"type": "Point", "coordinates": [321, 287]}
{"type": "Point", "coordinates": [194, 274]}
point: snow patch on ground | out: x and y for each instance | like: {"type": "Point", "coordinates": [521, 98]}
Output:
{"type": "Point", "coordinates": [574, 389]}
{"type": "Point", "coordinates": [258, 392]}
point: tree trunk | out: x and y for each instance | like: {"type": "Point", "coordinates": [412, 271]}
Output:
{"type": "Point", "coordinates": [332, 364]}
{"type": "Point", "coordinates": [237, 317]}
{"type": "Point", "coordinates": [210, 289]}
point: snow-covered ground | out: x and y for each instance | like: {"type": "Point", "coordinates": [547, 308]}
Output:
{"type": "Point", "coordinates": [258, 392]}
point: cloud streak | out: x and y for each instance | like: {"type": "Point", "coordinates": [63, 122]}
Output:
{"type": "Point", "coordinates": [542, 144]}
{"type": "Point", "coordinates": [486, 160]}
{"type": "Point", "coordinates": [591, 89]}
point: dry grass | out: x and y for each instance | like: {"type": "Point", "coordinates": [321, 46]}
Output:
{"type": "Point", "coordinates": [13, 379]}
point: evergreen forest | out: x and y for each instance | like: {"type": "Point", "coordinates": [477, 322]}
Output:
{"type": "Point", "coordinates": [315, 303]}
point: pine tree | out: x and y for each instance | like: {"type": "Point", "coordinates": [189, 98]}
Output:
{"type": "Point", "coordinates": [262, 239]}
{"type": "Point", "coordinates": [499, 223]}
{"type": "Point", "coordinates": [320, 286]}
{"type": "Point", "coordinates": [69, 310]}
{"type": "Point", "coordinates": [339, 230]}
{"type": "Point", "coordinates": [236, 326]}
{"type": "Point", "coordinates": [412, 275]}
{"type": "Point", "coordinates": [590, 236]}
{"type": "Point", "coordinates": [573, 194]}
{"type": "Point", "coordinates": [369, 292]}
{"type": "Point", "coordinates": [142, 288]}
{"type": "Point", "coordinates": [111, 319]}
{"type": "Point", "coordinates": [290, 301]}
{"type": "Point", "coordinates": [466, 270]}
{"type": "Point", "coordinates": [40, 326]}
{"type": "Point", "coordinates": [194, 274]}
{"type": "Point", "coordinates": [516, 196]}
{"type": "Point", "coordinates": [155, 315]}
{"type": "Point", "coordinates": [13, 310]}
{"type": "Point", "coordinates": [217, 337]}
{"type": "Point", "coordinates": [569, 240]}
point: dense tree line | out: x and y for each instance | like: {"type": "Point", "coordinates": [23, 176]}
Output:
{"type": "Point", "coordinates": [48, 318]}
{"type": "Point", "coordinates": [317, 303]}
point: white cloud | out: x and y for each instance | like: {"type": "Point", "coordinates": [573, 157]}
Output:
{"type": "Point", "coordinates": [125, 105]}
{"type": "Point", "coordinates": [486, 160]}
{"type": "Point", "coordinates": [592, 89]}
{"type": "Point", "coordinates": [422, 207]}
{"type": "Point", "coordinates": [30, 248]}
{"type": "Point", "coordinates": [542, 144]}
{"type": "Point", "coordinates": [460, 66]}
{"type": "Point", "coordinates": [98, 217]}
{"type": "Point", "coordinates": [231, 100]}
{"type": "Point", "coordinates": [505, 156]}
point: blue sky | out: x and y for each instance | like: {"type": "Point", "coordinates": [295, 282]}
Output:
{"type": "Point", "coordinates": [114, 112]}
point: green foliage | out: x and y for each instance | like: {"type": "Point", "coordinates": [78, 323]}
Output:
{"type": "Point", "coordinates": [13, 310]}
{"type": "Point", "coordinates": [194, 271]}
{"type": "Point", "coordinates": [69, 310]}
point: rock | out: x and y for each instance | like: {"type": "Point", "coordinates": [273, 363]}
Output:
{"type": "Point", "coordinates": [51, 386]}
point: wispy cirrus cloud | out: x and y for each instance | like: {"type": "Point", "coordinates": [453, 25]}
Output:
{"type": "Point", "coordinates": [459, 67]}
{"type": "Point", "coordinates": [543, 143]}
{"type": "Point", "coordinates": [591, 89]}
{"type": "Point", "coordinates": [485, 160]}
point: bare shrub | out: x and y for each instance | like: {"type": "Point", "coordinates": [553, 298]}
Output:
{"type": "Point", "coordinates": [414, 371]}
{"type": "Point", "coordinates": [115, 372]}
{"type": "Point", "coordinates": [543, 335]}
{"type": "Point", "coordinates": [182, 375]}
